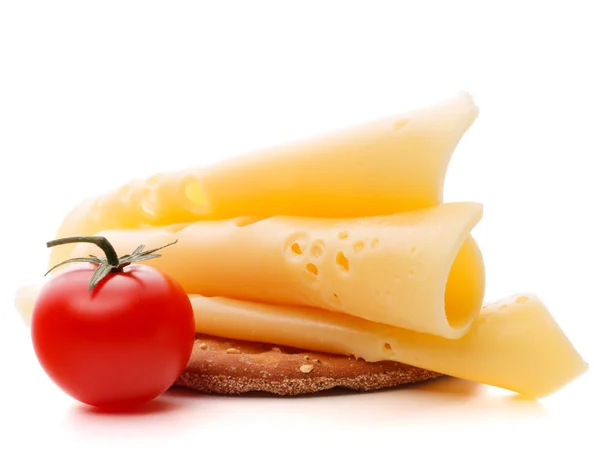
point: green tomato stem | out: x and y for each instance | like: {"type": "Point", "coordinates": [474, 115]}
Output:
{"type": "Point", "coordinates": [111, 255]}
{"type": "Point", "coordinates": [112, 262]}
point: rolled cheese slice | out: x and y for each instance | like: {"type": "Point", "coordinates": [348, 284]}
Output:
{"type": "Point", "coordinates": [515, 343]}
{"type": "Point", "coordinates": [418, 270]}
{"type": "Point", "coordinates": [387, 166]}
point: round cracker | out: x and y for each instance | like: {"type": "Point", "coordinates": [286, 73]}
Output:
{"type": "Point", "coordinates": [229, 367]}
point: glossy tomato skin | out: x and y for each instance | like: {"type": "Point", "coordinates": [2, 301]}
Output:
{"type": "Point", "coordinates": [122, 344]}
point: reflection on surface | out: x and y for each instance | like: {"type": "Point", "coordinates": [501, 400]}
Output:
{"type": "Point", "coordinates": [450, 386]}
{"type": "Point", "coordinates": [465, 397]}
{"type": "Point", "coordinates": [444, 400]}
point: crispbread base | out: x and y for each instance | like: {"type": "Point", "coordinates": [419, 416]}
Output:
{"type": "Point", "coordinates": [232, 367]}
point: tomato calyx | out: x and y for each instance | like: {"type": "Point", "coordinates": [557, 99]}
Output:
{"type": "Point", "coordinates": [111, 263]}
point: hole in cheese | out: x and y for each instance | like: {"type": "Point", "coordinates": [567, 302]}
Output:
{"type": "Point", "coordinates": [400, 124]}
{"type": "Point", "coordinates": [145, 203]}
{"type": "Point", "coordinates": [387, 347]}
{"type": "Point", "coordinates": [343, 235]}
{"type": "Point", "coordinates": [465, 286]}
{"type": "Point", "coordinates": [342, 262]}
{"type": "Point", "coordinates": [295, 245]}
{"type": "Point", "coordinates": [374, 243]}
{"type": "Point", "coordinates": [317, 248]}
{"type": "Point", "coordinates": [358, 246]}
{"type": "Point", "coordinates": [312, 269]}
{"type": "Point", "coordinates": [196, 197]}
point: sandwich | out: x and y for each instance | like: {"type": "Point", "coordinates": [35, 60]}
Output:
{"type": "Point", "coordinates": [332, 262]}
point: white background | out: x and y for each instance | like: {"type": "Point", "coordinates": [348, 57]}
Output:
{"type": "Point", "coordinates": [93, 94]}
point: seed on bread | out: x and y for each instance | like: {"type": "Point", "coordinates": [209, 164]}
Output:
{"type": "Point", "coordinates": [307, 368]}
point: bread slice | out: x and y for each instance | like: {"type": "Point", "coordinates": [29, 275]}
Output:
{"type": "Point", "coordinates": [230, 367]}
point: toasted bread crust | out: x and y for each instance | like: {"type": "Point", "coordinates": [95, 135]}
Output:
{"type": "Point", "coordinates": [231, 367]}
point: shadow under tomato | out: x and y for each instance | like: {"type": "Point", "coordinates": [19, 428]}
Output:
{"type": "Point", "coordinates": [164, 415]}
{"type": "Point", "coordinates": [156, 406]}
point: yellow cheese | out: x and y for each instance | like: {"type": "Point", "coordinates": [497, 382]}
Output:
{"type": "Point", "coordinates": [25, 300]}
{"type": "Point", "coordinates": [391, 165]}
{"type": "Point", "coordinates": [418, 270]}
{"type": "Point", "coordinates": [514, 344]}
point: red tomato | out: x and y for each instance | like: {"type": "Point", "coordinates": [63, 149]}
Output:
{"type": "Point", "coordinates": [121, 344]}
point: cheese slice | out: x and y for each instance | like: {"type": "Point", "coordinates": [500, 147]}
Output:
{"type": "Point", "coordinates": [387, 166]}
{"type": "Point", "coordinates": [25, 300]}
{"type": "Point", "coordinates": [418, 270]}
{"type": "Point", "coordinates": [514, 344]}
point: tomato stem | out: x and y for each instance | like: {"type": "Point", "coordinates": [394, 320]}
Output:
{"type": "Point", "coordinates": [111, 255]}
{"type": "Point", "coordinates": [112, 262]}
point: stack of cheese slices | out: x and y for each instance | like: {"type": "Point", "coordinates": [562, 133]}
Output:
{"type": "Point", "coordinates": [340, 244]}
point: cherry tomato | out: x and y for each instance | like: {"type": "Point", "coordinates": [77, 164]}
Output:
{"type": "Point", "coordinates": [118, 345]}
